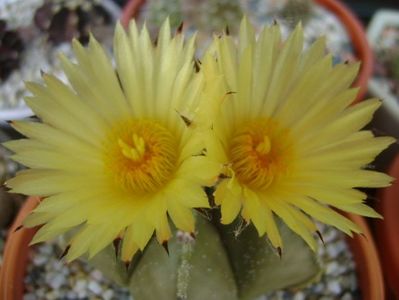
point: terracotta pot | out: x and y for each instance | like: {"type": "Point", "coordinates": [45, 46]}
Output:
{"type": "Point", "coordinates": [352, 25]}
{"type": "Point", "coordinates": [16, 254]}
{"type": "Point", "coordinates": [368, 267]}
{"type": "Point", "coordinates": [16, 258]}
{"type": "Point", "coordinates": [387, 229]}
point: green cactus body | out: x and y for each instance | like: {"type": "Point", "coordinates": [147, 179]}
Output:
{"type": "Point", "coordinates": [218, 264]}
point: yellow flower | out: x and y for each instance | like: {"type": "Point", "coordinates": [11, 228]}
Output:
{"type": "Point", "coordinates": [287, 135]}
{"type": "Point", "coordinates": [116, 151]}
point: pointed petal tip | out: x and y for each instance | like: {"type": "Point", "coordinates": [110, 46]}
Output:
{"type": "Point", "coordinates": [127, 259]}
{"type": "Point", "coordinates": [65, 252]}
{"type": "Point", "coordinates": [279, 252]}
{"type": "Point", "coordinates": [165, 246]}
{"type": "Point", "coordinates": [127, 264]}
{"type": "Point", "coordinates": [391, 180]}
{"type": "Point", "coordinates": [179, 29]}
{"type": "Point", "coordinates": [320, 236]}
{"type": "Point", "coordinates": [18, 228]}
{"type": "Point", "coordinates": [75, 42]}
{"type": "Point", "coordinates": [299, 26]}
{"type": "Point", "coordinates": [118, 25]}
{"type": "Point", "coordinates": [193, 235]}
{"type": "Point", "coordinates": [116, 243]}
{"type": "Point", "coordinates": [36, 240]}
{"type": "Point", "coordinates": [227, 30]}
{"type": "Point", "coordinates": [355, 64]}
{"type": "Point", "coordinates": [225, 221]}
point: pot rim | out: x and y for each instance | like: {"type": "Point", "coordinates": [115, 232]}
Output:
{"type": "Point", "coordinates": [16, 257]}
{"type": "Point", "coordinates": [368, 266]}
{"type": "Point", "coordinates": [386, 230]}
{"type": "Point", "coordinates": [16, 254]}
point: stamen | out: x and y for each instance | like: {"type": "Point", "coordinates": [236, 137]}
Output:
{"type": "Point", "coordinates": [134, 152]}
{"type": "Point", "coordinates": [144, 156]}
{"type": "Point", "coordinates": [265, 146]}
{"type": "Point", "coordinates": [260, 153]}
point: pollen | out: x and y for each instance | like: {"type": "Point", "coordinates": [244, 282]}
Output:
{"type": "Point", "coordinates": [141, 155]}
{"type": "Point", "coordinates": [264, 147]}
{"type": "Point", "coordinates": [260, 153]}
{"type": "Point", "coordinates": [134, 152]}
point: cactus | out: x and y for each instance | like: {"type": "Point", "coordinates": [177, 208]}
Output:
{"type": "Point", "coordinates": [295, 11]}
{"type": "Point", "coordinates": [220, 263]}
{"type": "Point", "coordinates": [213, 15]}
{"type": "Point", "coordinates": [159, 10]}
{"type": "Point", "coordinates": [388, 66]}
{"type": "Point", "coordinates": [206, 16]}
{"type": "Point", "coordinates": [395, 65]}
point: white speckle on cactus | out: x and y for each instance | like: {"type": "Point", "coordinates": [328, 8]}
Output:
{"type": "Point", "coordinates": [183, 272]}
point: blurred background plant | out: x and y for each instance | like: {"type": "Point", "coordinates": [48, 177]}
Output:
{"type": "Point", "coordinates": [296, 11]}
{"type": "Point", "coordinates": [387, 54]}
{"type": "Point", "coordinates": [32, 35]}
{"type": "Point", "coordinates": [11, 47]}
{"type": "Point", "coordinates": [9, 203]}
{"type": "Point", "coordinates": [64, 20]}
{"type": "Point", "coordinates": [389, 67]}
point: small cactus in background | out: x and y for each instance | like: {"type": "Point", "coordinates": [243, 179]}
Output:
{"type": "Point", "coordinates": [206, 16]}
{"type": "Point", "coordinates": [395, 65]}
{"type": "Point", "coordinates": [9, 203]}
{"type": "Point", "coordinates": [9, 207]}
{"type": "Point", "coordinates": [213, 15]}
{"type": "Point", "coordinates": [159, 10]}
{"type": "Point", "coordinates": [65, 20]}
{"type": "Point", "coordinates": [295, 11]}
{"type": "Point", "coordinates": [11, 47]}
{"type": "Point", "coordinates": [388, 66]}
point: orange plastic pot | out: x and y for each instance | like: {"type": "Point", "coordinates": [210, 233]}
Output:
{"type": "Point", "coordinates": [353, 27]}
{"type": "Point", "coordinates": [368, 266]}
{"type": "Point", "coordinates": [387, 234]}
{"type": "Point", "coordinates": [16, 255]}
{"type": "Point", "coordinates": [16, 258]}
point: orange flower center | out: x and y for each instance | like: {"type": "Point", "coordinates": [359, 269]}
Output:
{"type": "Point", "coordinates": [260, 153]}
{"type": "Point", "coordinates": [142, 155]}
